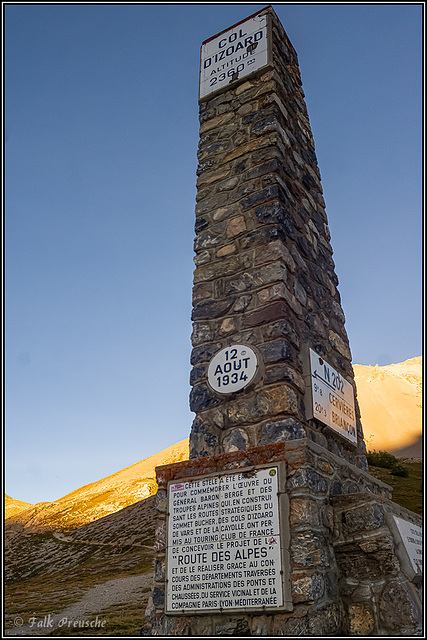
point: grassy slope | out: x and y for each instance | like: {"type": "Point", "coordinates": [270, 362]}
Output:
{"type": "Point", "coordinates": [408, 492]}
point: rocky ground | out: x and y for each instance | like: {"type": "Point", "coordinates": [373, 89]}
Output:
{"type": "Point", "coordinates": [58, 583]}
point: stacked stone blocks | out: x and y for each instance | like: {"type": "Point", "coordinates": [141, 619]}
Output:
{"type": "Point", "coordinates": [380, 595]}
{"type": "Point", "coordinates": [264, 270]}
{"type": "Point", "coordinates": [318, 543]}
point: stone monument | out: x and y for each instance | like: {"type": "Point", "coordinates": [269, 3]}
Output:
{"type": "Point", "coordinates": [274, 525]}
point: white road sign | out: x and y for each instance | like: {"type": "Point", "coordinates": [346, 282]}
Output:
{"type": "Point", "coordinates": [232, 368]}
{"type": "Point", "coordinates": [412, 538]}
{"type": "Point", "coordinates": [224, 543]}
{"type": "Point", "coordinates": [332, 398]}
{"type": "Point", "coordinates": [233, 54]}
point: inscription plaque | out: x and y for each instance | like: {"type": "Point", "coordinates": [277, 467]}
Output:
{"type": "Point", "coordinates": [224, 548]}
{"type": "Point", "coordinates": [412, 538]}
{"type": "Point", "coordinates": [233, 368]}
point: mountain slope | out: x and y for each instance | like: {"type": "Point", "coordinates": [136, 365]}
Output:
{"type": "Point", "coordinates": [99, 499]}
{"type": "Point", "coordinates": [80, 573]}
{"type": "Point", "coordinates": [390, 399]}
{"type": "Point", "coordinates": [13, 507]}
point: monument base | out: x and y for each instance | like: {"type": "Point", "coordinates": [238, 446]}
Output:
{"type": "Point", "coordinates": [344, 566]}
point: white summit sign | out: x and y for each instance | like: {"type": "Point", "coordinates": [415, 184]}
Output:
{"type": "Point", "coordinates": [331, 398]}
{"type": "Point", "coordinates": [234, 54]}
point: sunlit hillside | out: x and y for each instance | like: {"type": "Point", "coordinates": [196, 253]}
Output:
{"type": "Point", "coordinates": [390, 399]}
{"type": "Point", "coordinates": [99, 499]}
{"type": "Point", "coordinates": [12, 506]}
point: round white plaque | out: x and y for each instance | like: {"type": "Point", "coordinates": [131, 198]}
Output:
{"type": "Point", "coordinates": [232, 368]}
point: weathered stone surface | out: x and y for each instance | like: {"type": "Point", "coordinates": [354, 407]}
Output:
{"type": "Point", "coordinates": [307, 588]}
{"type": "Point", "coordinates": [261, 625]}
{"type": "Point", "coordinates": [159, 570]}
{"type": "Point", "coordinates": [227, 250]}
{"type": "Point", "coordinates": [274, 292]}
{"type": "Point", "coordinates": [266, 315]}
{"type": "Point", "coordinates": [211, 309]}
{"type": "Point", "coordinates": [365, 518]}
{"type": "Point", "coordinates": [274, 251]}
{"type": "Point", "coordinates": [202, 257]}
{"type": "Point", "coordinates": [361, 592]}
{"type": "Point", "coordinates": [228, 325]}
{"type": "Point", "coordinates": [309, 549]}
{"type": "Point", "coordinates": [204, 440]}
{"type": "Point", "coordinates": [217, 121]}
{"type": "Point", "coordinates": [276, 351]}
{"type": "Point", "coordinates": [212, 149]}
{"type": "Point", "coordinates": [276, 213]}
{"type": "Point", "coordinates": [161, 503]}
{"type": "Point", "coordinates": [248, 148]}
{"type": "Point", "coordinates": [158, 597]}
{"type": "Point", "coordinates": [324, 466]}
{"type": "Point", "coordinates": [282, 328]}
{"type": "Point", "coordinates": [290, 627]}
{"type": "Point", "coordinates": [226, 267]}
{"type": "Point", "coordinates": [304, 511]}
{"type": "Point", "coordinates": [286, 373]}
{"type": "Point", "coordinates": [260, 236]}
{"type": "Point", "coordinates": [202, 291]}
{"type": "Point", "coordinates": [202, 332]}
{"type": "Point", "coordinates": [281, 431]}
{"type": "Point", "coordinates": [236, 226]}
{"type": "Point", "coordinates": [398, 607]}
{"type": "Point", "coordinates": [242, 302]}
{"type": "Point", "coordinates": [209, 177]}
{"type": "Point", "coordinates": [201, 398]}
{"type": "Point", "coordinates": [357, 564]}
{"type": "Point", "coordinates": [339, 344]}
{"type": "Point", "coordinates": [361, 620]}
{"type": "Point", "coordinates": [234, 628]}
{"type": "Point", "coordinates": [160, 537]}
{"type": "Point", "coordinates": [204, 353]}
{"type": "Point", "coordinates": [308, 479]}
{"type": "Point", "coordinates": [267, 402]}
{"type": "Point", "coordinates": [254, 278]}
{"type": "Point", "coordinates": [326, 622]}
{"type": "Point", "coordinates": [235, 440]}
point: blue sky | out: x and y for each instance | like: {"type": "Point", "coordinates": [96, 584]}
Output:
{"type": "Point", "coordinates": [101, 141]}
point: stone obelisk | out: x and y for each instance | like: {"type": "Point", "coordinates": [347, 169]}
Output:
{"type": "Point", "coordinates": [264, 269]}
{"type": "Point", "coordinates": [274, 525]}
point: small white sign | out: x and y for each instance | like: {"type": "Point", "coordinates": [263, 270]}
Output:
{"type": "Point", "coordinates": [232, 368]}
{"type": "Point", "coordinates": [412, 538]}
{"type": "Point", "coordinates": [233, 54]}
{"type": "Point", "coordinates": [224, 546]}
{"type": "Point", "coordinates": [332, 398]}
